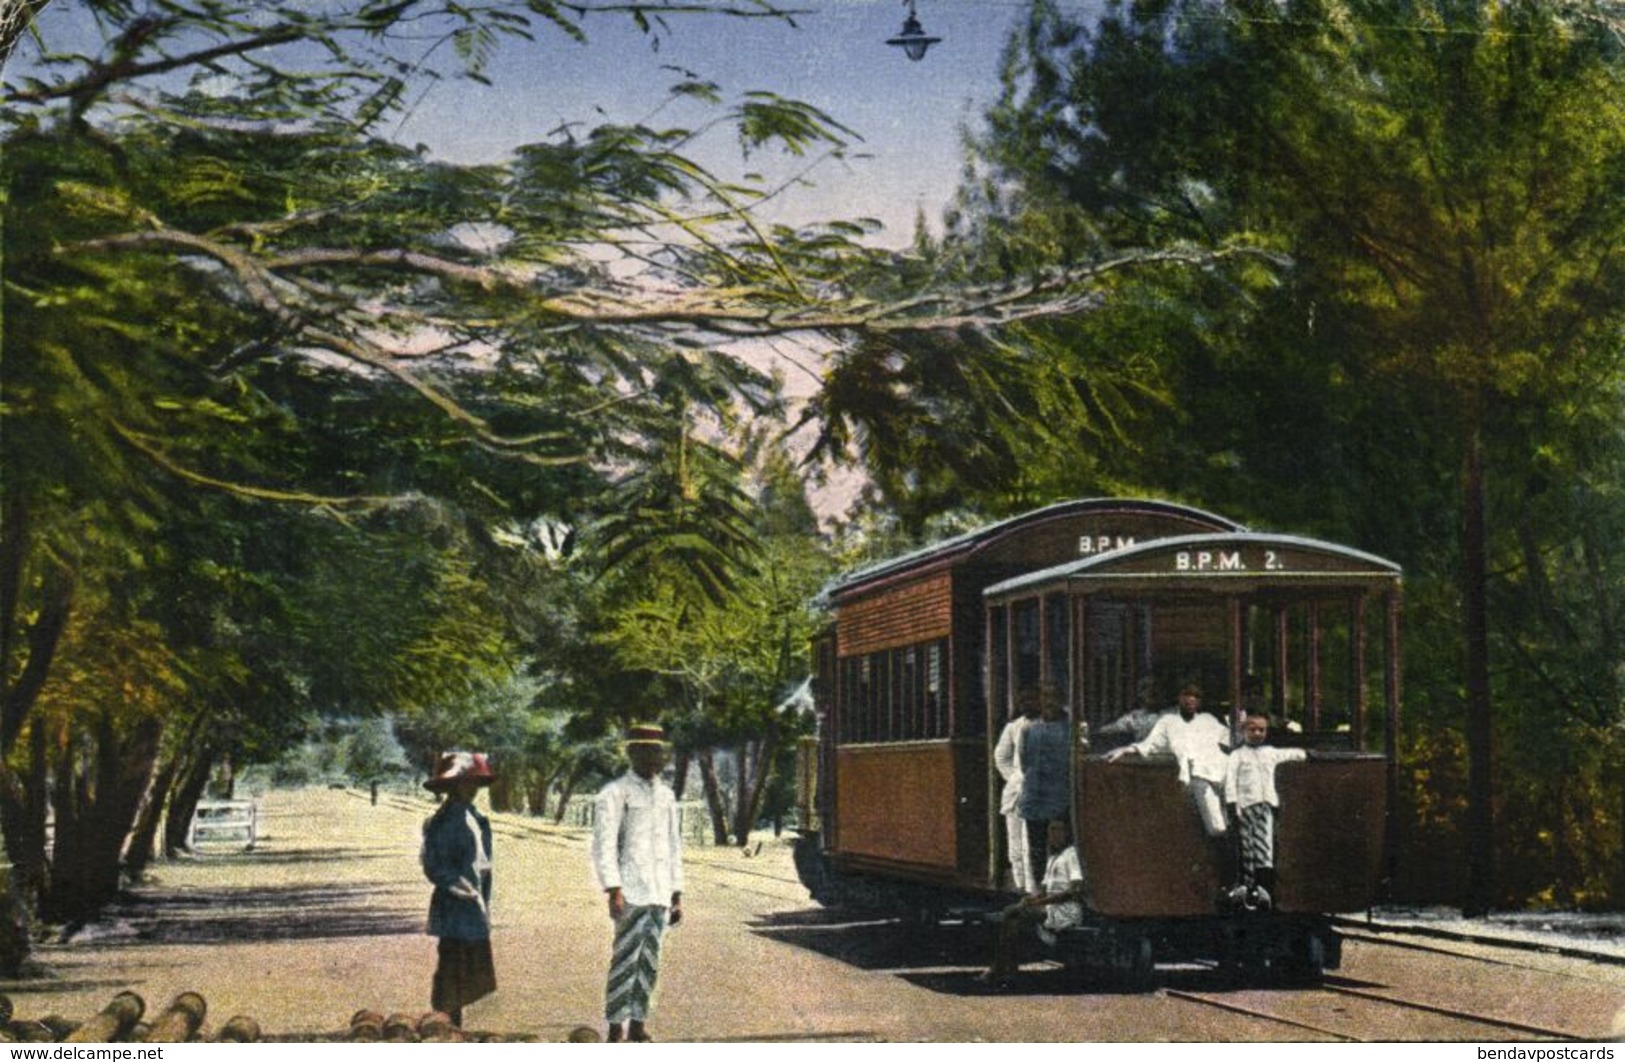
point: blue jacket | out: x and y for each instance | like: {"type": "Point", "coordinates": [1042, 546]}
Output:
{"type": "Point", "coordinates": [1046, 770]}
{"type": "Point", "coordinates": [456, 856]}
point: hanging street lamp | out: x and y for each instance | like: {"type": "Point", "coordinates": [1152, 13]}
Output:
{"type": "Point", "coordinates": [912, 38]}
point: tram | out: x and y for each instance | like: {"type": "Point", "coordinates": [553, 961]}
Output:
{"type": "Point", "coordinates": [1116, 603]}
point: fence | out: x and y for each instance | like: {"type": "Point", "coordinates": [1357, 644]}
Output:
{"type": "Point", "coordinates": [224, 822]}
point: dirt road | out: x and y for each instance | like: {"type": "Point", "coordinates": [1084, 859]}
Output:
{"type": "Point", "coordinates": [325, 918]}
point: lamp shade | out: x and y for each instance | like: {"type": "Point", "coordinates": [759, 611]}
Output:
{"type": "Point", "coordinates": [912, 39]}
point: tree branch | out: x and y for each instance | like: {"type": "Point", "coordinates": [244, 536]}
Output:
{"type": "Point", "coordinates": [734, 312]}
{"type": "Point", "coordinates": [244, 490]}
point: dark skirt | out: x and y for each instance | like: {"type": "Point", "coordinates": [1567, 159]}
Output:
{"type": "Point", "coordinates": [465, 974]}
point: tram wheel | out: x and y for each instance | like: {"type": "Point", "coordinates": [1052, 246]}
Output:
{"type": "Point", "coordinates": [1305, 963]}
{"type": "Point", "coordinates": [1131, 963]}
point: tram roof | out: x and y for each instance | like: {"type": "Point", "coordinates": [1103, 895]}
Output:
{"type": "Point", "coordinates": [1124, 562]}
{"type": "Point", "coordinates": [970, 541]}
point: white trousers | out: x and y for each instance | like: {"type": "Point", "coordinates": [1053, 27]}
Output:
{"type": "Point", "coordinates": [1015, 834]}
{"type": "Point", "coordinates": [1209, 804]}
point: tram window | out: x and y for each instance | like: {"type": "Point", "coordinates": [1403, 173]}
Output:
{"type": "Point", "coordinates": [1334, 712]}
{"type": "Point", "coordinates": [866, 706]}
{"type": "Point", "coordinates": [895, 694]}
{"type": "Point", "coordinates": [1376, 675]}
{"type": "Point", "coordinates": [1058, 631]}
{"type": "Point", "coordinates": [1303, 663]}
{"type": "Point", "coordinates": [935, 717]}
{"type": "Point", "coordinates": [1108, 690]}
{"type": "Point", "coordinates": [1027, 634]}
{"type": "Point", "coordinates": [913, 701]}
{"type": "Point", "coordinates": [852, 699]}
{"type": "Point", "coordinates": [997, 665]}
{"type": "Point", "coordinates": [885, 697]}
{"type": "Point", "coordinates": [1190, 643]}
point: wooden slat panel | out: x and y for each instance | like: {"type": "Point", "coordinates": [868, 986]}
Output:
{"type": "Point", "coordinates": [1142, 843]}
{"type": "Point", "coordinates": [1148, 858]}
{"type": "Point", "coordinates": [904, 615]}
{"type": "Point", "coordinates": [898, 802]}
{"type": "Point", "coordinates": [1329, 837]}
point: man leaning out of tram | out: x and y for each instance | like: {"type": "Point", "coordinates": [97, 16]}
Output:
{"type": "Point", "coordinates": [1198, 743]}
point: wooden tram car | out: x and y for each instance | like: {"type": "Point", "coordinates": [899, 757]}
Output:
{"type": "Point", "coordinates": [1116, 603]}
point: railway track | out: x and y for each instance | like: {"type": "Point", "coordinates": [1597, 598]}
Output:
{"type": "Point", "coordinates": [1391, 936]}
{"type": "Point", "coordinates": [1357, 1015]}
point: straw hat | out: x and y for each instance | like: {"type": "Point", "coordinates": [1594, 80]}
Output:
{"type": "Point", "coordinates": [649, 734]}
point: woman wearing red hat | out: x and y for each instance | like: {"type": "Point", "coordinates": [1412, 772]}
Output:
{"type": "Point", "coordinates": [456, 856]}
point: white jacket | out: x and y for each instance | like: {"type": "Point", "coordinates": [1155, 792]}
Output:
{"type": "Point", "coordinates": [1007, 758]}
{"type": "Point", "coordinates": [1196, 745]}
{"type": "Point", "coordinates": [637, 842]}
{"type": "Point", "coordinates": [1249, 775]}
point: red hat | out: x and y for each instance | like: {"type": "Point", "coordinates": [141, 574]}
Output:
{"type": "Point", "coordinates": [645, 734]}
{"type": "Point", "coordinates": [453, 767]}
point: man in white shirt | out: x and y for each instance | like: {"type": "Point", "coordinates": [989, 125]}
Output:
{"type": "Point", "coordinates": [637, 854]}
{"type": "Point", "coordinates": [1007, 758]}
{"type": "Point", "coordinates": [1249, 788]}
{"type": "Point", "coordinates": [1198, 742]}
{"type": "Point", "coordinates": [1057, 906]}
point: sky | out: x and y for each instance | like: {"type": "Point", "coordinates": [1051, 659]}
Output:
{"type": "Point", "coordinates": [909, 114]}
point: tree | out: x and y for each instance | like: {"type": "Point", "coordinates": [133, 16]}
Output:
{"type": "Point", "coordinates": [222, 283]}
{"type": "Point", "coordinates": [1446, 179]}
{"type": "Point", "coordinates": [729, 658]}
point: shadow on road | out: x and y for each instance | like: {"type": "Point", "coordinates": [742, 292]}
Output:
{"type": "Point", "coordinates": [877, 944]}
{"type": "Point", "coordinates": [294, 856]}
{"type": "Point", "coordinates": [949, 957]}
{"type": "Point", "coordinates": [295, 912]}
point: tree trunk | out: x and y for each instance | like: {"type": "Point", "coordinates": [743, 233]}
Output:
{"type": "Point", "coordinates": [547, 780]}
{"type": "Point", "coordinates": [1481, 872]}
{"type": "Point", "coordinates": [713, 797]}
{"type": "Point", "coordinates": [44, 635]}
{"type": "Point", "coordinates": [183, 804]}
{"type": "Point", "coordinates": [501, 793]}
{"type": "Point", "coordinates": [766, 757]}
{"type": "Point", "coordinates": [144, 844]}
{"type": "Point", "coordinates": [1618, 897]}
{"type": "Point", "coordinates": [741, 812]}
{"type": "Point", "coordinates": [680, 773]}
{"type": "Point", "coordinates": [22, 817]}
{"type": "Point", "coordinates": [95, 802]}
{"type": "Point", "coordinates": [144, 836]}
{"type": "Point", "coordinates": [536, 792]}
{"type": "Point", "coordinates": [570, 783]}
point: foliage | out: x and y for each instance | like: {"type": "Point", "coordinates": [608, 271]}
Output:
{"type": "Point", "coordinates": [1441, 183]}
{"type": "Point", "coordinates": [224, 449]}
{"type": "Point", "coordinates": [726, 662]}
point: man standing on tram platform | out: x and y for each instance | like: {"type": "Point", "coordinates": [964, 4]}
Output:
{"type": "Point", "coordinates": [1046, 779]}
{"type": "Point", "coordinates": [1007, 759]}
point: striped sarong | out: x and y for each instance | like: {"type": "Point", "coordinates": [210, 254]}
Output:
{"type": "Point", "coordinates": [1257, 822]}
{"type": "Point", "coordinates": [634, 963]}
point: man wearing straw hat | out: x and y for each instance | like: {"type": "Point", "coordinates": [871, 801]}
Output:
{"type": "Point", "coordinates": [456, 857]}
{"type": "Point", "coordinates": [637, 853]}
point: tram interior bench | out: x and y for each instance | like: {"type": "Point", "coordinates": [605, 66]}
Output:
{"type": "Point", "coordinates": [224, 823]}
